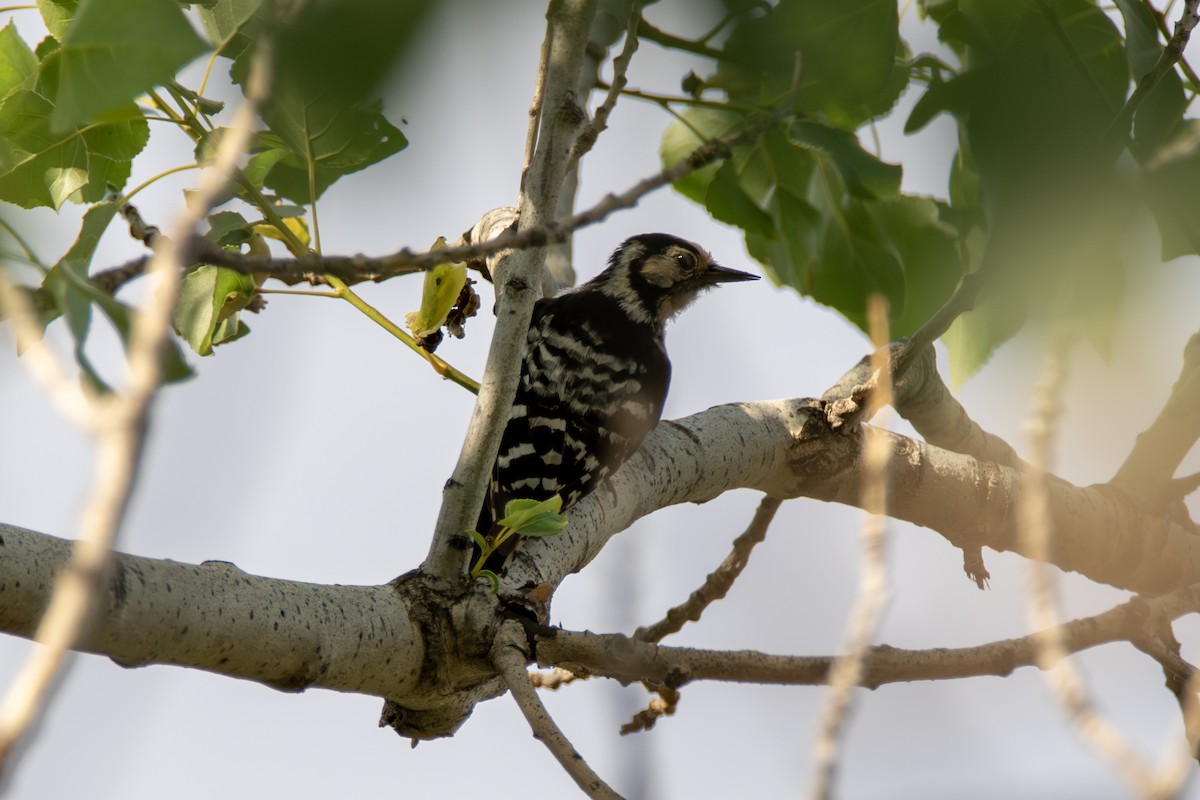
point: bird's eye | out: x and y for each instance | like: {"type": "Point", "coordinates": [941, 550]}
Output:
{"type": "Point", "coordinates": [685, 260]}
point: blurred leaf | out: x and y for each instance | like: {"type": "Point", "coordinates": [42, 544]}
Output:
{"type": "Point", "coordinates": [1173, 189]}
{"type": "Point", "coordinates": [849, 71]}
{"type": "Point", "coordinates": [1162, 110]}
{"type": "Point", "coordinates": [209, 301]}
{"type": "Point", "coordinates": [328, 61]}
{"type": "Point", "coordinates": [114, 50]}
{"type": "Point", "coordinates": [1142, 47]}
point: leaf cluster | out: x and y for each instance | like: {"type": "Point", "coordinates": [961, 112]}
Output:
{"type": "Point", "coordinates": [1037, 195]}
{"type": "Point", "coordinates": [75, 112]}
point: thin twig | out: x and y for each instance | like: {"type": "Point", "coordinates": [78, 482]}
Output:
{"type": "Point", "coordinates": [1033, 509]}
{"type": "Point", "coordinates": [587, 137]}
{"type": "Point", "coordinates": [1117, 134]}
{"type": "Point", "coordinates": [847, 670]}
{"type": "Point", "coordinates": [535, 115]}
{"type": "Point", "coordinates": [120, 427]}
{"type": "Point", "coordinates": [718, 582]}
{"type": "Point", "coordinates": [355, 269]}
{"type": "Point", "coordinates": [1160, 20]}
{"type": "Point", "coordinates": [509, 660]}
{"type": "Point", "coordinates": [625, 659]}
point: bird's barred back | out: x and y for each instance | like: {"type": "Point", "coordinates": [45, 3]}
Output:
{"type": "Point", "coordinates": [585, 401]}
{"type": "Point", "coordinates": [595, 374]}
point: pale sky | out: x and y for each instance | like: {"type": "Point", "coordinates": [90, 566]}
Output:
{"type": "Point", "coordinates": [316, 449]}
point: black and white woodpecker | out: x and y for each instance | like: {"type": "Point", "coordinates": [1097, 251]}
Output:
{"type": "Point", "coordinates": [595, 373]}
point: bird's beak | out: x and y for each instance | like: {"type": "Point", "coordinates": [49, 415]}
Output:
{"type": "Point", "coordinates": [718, 274]}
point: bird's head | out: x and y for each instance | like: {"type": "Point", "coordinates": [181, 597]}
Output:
{"type": "Point", "coordinates": [654, 276]}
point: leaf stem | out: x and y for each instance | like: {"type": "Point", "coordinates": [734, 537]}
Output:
{"type": "Point", "coordinates": [439, 366]}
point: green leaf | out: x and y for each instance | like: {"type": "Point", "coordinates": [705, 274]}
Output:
{"type": "Point", "coordinates": [228, 228]}
{"type": "Point", "coordinates": [114, 50]}
{"type": "Point", "coordinates": [336, 145]}
{"type": "Point", "coordinates": [492, 577]}
{"type": "Point", "coordinates": [478, 539]}
{"type": "Point", "coordinates": [74, 297]}
{"type": "Point", "coordinates": [728, 202]}
{"type": "Point", "coordinates": [111, 147]}
{"type": "Point", "coordinates": [1142, 47]}
{"type": "Point", "coordinates": [208, 300]}
{"type": "Point", "coordinates": [439, 292]}
{"type": "Point", "coordinates": [534, 518]}
{"type": "Point", "coordinates": [57, 15]}
{"type": "Point", "coordinates": [681, 139]}
{"type": "Point", "coordinates": [864, 174]}
{"type": "Point", "coordinates": [231, 25]}
{"type": "Point", "coordinates": [38, 167]}
{"type": "Point", "coordinates": [327, 62]}
{"type": "Point", "coordinates": [18, 64]}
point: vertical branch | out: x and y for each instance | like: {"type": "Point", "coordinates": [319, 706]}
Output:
{"type": "Point", "coordinates": [1033, 508]}
{"type": "Point", "coordinates": [846, 673]}
{"type": "Point", "coordinates": [518, 285]}
{"type": "Point", "coordinates": [119, 423]}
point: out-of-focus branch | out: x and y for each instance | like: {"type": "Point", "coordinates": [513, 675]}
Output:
{"type": "Point", "coordinates": [846, 672]}
{"type": "Point", "coordinates": [119, 424]}
{"type": "Point", "coordinates": [1035, 520]}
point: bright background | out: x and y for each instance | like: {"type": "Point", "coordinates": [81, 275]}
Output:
{"type": "Point", "coordinates": [316, 449]}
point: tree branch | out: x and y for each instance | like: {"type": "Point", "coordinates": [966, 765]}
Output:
{"type": "Point", "coordinates": [626, 659]}
{"type": "Point", "coordinates": [287, 635]}
{"type": "Point", "coordinates": [510, 662]}
{"type": "Point", "coordinates": [118, 422]}
{"type": "Point", "coordinates": [365, 639]}
{"type": "Point", "coordinates": [718, 582]}
{"type": "Point", "coordinates": [518, 285]}
{"type": "Point", "coordinates": [787, 449]}
{"type": "Point", "coordinates": [1148, 470]}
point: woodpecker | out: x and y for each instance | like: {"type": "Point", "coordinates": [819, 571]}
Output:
{"type": "Point", "coordinates": [595, 373]}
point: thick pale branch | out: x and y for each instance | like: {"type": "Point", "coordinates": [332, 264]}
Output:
{"type": "Point", "coordinates": [285, 634]}
{"type": "Point", "coordinates": [786, 448]}
{"type": "Point", "coordinates": [518, 286]}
